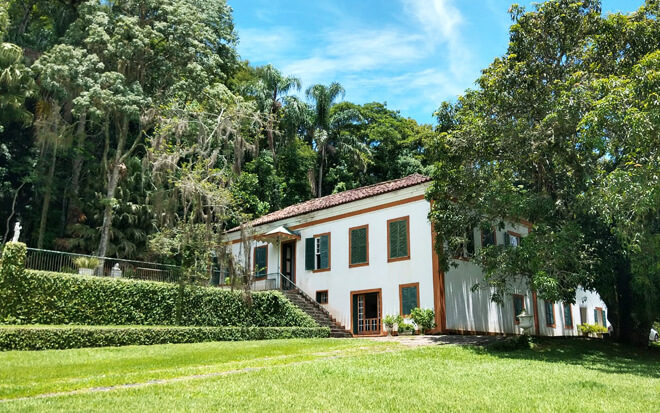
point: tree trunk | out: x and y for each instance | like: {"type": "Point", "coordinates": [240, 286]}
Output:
{"type": "Point", "coordinates": [73, 212]}
{"type": "Point", "coordinates": [113, 179]}
{"type": "Point", "coordinates": [320, 188]}
{"type": "Point", "coordinates": [46, 202]}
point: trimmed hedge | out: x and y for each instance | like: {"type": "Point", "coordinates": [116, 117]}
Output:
{"type": "Point", "coordinates": [38, 297]}
{"type": "Point", "coordinates": [46, 338]}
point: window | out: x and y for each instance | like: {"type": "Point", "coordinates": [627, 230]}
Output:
{"type": "Point", "coordinates": [488, 238]}
{"type": "Point", "coordinates": [466, 249]}
{"type": "Point", "coordinates": [408, 297]}
{"type": "Point", "coordinates": [398, 242]}
{"type": "Point", "coordinates": [568, 316]}
{"type": "Point", "coordinates": [261, 261]}
{"type": "Point", "coordinates": [317, 253]}
{"type": "Point", "coordinates": [518, 307]}
{"type": "Point", "coordinates": [550, 314]}
{"type": "Point", "coordinates": [358, 246]}
{"type": "Point", "coordinates": [322, 297]}
{"type": "Point", "coordinates": [604, 318]}
{"type": "Point", "coordinates": [512, 239]}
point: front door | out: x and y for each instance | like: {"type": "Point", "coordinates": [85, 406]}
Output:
{"type": "Point", "coordinates": [366, 313]}
{"type": "Point", "coordinates": [288, 264]}
{"type": "Point", "coordinates": [583, 315]}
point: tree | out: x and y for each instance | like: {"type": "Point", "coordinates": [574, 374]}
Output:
{"type": "Point", "coordinates": [269, 90]}
{"type": "Point", "coordinates": [331, 130]}
{"type": "Point", "coordinates": [549, 137]}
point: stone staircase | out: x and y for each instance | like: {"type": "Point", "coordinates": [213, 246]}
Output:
{"type": "Point", "coordinates": [317, 312]}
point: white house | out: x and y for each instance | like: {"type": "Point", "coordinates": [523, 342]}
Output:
{"type": "Point", "coordinates": [368, 252]}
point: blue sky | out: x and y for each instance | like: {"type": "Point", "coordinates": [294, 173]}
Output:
{"type": "Point", "coordinates": [412, 54]}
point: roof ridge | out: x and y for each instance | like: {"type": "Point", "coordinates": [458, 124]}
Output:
{"type": "Point", "coordinates": [339, 198]}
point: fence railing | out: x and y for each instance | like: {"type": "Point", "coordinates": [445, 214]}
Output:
{"type": "Point", "coordinates": [59, 261]}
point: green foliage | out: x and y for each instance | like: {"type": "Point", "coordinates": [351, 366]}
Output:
{"type": "Point", "coordinates": [86, 262]}
{"type": "Point", "coordinates": [592, 329]}
{"type": "Point", "coordinates": [424, 318]}
{"type": "Point", "coordinates": [47, 338]}
{"type": "Point", "coordinates": [390, 320]}
{"type": "Point", "coordinates": [561, 132]}
{"type": "Point", "coordinates": [53, 298]}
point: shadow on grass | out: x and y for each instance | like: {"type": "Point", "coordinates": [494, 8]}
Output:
{"type": "Point", "coordinates": [594, 354]}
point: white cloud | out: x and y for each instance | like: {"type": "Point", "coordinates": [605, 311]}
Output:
{"type": "Point", "coordinates": [269, 44]}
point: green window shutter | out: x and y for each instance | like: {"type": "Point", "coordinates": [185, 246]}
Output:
{"type": "Point", "coordinates": [260, 261]}
{"type": "Point", "coordinates": [393, 230]}
{"type": "Point", "coordinates": [408, 299]}
{"type": "Point", "coordinates": [549, 313]}
{"type": "Point", "coordinates": [595, 316]}
{"type": "Point", "coordinates": [604, 318]}
{"type": "Point", "coordinates": [403, 238]}
{"type": "Point", "coordinates": [398, 239]}
{"type": "Point", "coordinates": [568, 317]}
{"type": "Point", "coordinates": [507, 239]}
{"type": "Point", "coordinates": [325, 252]}
{"type": "Point", "coordinates": [359, 246]}
{"type": "Point", "coordinates": [309, 254]}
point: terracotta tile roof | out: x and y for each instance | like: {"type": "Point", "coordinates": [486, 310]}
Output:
{"type": "Point", "coordinates": [339, 199]}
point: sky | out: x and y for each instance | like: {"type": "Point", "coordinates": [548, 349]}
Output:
{"type": "Point", "coordinates": [411, 54]}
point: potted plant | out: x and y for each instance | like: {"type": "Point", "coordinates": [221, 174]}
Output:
{"type": "Point", "coordinates": [424, 318]}
{"type": "Point", "coordinates": [405, 327]}
{"type": "Point", "coordinates": [86, 265]}
{"type": "Point", "coordinates": [391, 323]}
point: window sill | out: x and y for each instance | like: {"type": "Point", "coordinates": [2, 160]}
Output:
{"type": "Point", "coordinates": [362, 264]}
{"type": "Point", "coordinates": [398, 259]}
{"type": "Point", "coordinates": [321, 270]}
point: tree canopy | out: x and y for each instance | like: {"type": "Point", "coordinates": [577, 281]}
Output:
{"type": "Point", "coordinates": [563, 132]}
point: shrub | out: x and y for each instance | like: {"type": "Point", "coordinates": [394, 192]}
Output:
{"type": "Point", "coordinates": [45, 338]}
{"type": "Point", "coordinates": [12, 267]}
{"type": "Point", "coordinates": [390, 320]}
{"type": "Point", "coordinates": [86, 262]}
{"type": "Point", "coordinates": [424, 318]}
{"type": "Point", "coordinates": [54, 298]}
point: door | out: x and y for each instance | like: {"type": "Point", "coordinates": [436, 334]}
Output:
{"type": "Point", "coordinates": [288, 264]}
{"type": "Point", "coordinates": [583, 315]}
{"type": "Point", "coordinates": [366, 313]}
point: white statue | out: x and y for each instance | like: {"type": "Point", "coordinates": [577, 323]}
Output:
{"type": "Point", "coordinates": [17, 231]}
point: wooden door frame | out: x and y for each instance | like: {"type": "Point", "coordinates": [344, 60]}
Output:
{"type": "Point", "coordinates": [361, 292]}
{"type": "Point", "coordinates": [293, 259]}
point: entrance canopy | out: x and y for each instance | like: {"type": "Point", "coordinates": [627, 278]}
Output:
{"type": "Point", "coordinates": [278, 235]}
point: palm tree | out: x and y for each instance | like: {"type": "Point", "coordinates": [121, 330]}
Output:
{"type": "Point", "coordinates": [330, 127]}
{"type": "Point", "coordinates": [270, 89]}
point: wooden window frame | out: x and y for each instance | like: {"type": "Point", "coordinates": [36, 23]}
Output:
{"type": "Point", "coordinates": [568, 326]}
{"type": "Point", "coordinates": [401, 287]}
{"type": "Point", "coordinates": [512, 234]}
{"type": "Point", "coordinates": [407, 257]}
{"type": "Point", "coordinates": [522, 299]}
{"type": "Point", "coordinates": [600, 311]}
{"type": "Point", "coordinates": [254, 261]}
{"type": "Point", "coordinates": [360, 264]}
{"type": "Point", "coordinates": [545, 310]}
{"type": "Point", "coordinates": [494, 236]}
{"type": "Point", "coordinates": [317, 236]}
{"type": "Point", "coordinates": [326, 296]}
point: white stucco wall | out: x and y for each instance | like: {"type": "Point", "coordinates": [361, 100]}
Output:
{"type": "Point", "coordinates": [341, 280]}
{"type": "Point", "coordinates": [466, 311]}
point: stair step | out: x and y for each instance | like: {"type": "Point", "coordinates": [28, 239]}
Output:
{"type": "Point", "coordinates": [318, 314]}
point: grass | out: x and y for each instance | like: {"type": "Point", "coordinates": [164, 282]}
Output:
{"type": "Point", "coordinates": [337, 375]}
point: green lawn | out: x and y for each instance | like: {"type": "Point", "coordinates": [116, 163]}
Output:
{"type": "Point", "coordinates": [335, 375]}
